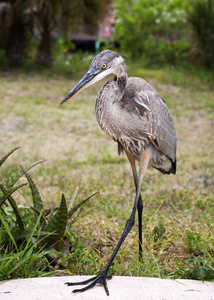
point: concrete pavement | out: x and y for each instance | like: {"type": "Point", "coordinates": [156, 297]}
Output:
{"type": "Point", "coordinates": [124, 288]}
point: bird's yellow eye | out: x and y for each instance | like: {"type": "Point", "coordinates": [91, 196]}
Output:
{"type": "Point", "coordinates": [104, 66]}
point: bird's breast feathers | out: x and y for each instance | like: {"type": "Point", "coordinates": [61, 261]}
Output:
{"type": "Point", "coordinates": [139, 115]}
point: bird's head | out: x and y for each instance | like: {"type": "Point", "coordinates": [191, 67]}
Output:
{"type": "Point", "coordinates": [105, 63]}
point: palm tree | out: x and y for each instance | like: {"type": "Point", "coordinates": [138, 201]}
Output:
{"type": "Point", "coordinates": [51, 13]}
{"type": "Point", "coordinates": [15, 24]}
{"type": "Point", "coordinates": [47, 13]}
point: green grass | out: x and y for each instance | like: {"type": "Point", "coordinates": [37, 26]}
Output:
{"type": "Point", "coordinates": [25, 259]}
{"type": "Point", "coordinates": [178, 210]}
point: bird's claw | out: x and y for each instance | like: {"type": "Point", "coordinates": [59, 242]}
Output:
{"type": "Point", "coordinates": [100, 279]}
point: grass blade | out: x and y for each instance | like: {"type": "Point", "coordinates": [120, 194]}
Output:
{"type": "Point", "coordinates": [22, 234]}
{"type": "Point", "coordinates": [8, 231]}
{"type": "Point", "coordinates": [34, 229]}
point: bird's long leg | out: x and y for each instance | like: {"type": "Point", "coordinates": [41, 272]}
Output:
{"type": "Point", "coordinates": [140, 213]}
{"type": "Point", "coordinates": [101, 278]}
{"type": "Point", "coordinates": [140, 201]}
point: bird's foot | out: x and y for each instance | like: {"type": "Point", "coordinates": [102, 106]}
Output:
{"type": "Point", "coordinates": [100, 279]}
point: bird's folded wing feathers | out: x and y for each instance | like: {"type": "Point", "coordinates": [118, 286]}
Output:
{"type": "Point", "coordinates": [155, 116]}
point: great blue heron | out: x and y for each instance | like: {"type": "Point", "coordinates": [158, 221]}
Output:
{"type": "Point", "coordinates": [134, 114]}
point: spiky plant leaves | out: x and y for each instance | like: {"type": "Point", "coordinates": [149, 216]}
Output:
{"type": "Point", "coordinates": [37, 201]}
{"type": "Point", "coordinates": [15, 176]}
{"type": "Point", "coordinates": [57, 224]}
{"type": "Point", "coordinates": [7, 195]}
{"type": "Point", "coordinates": [7, 155]}
{"type": "Point", "coordinates": [74, 209]}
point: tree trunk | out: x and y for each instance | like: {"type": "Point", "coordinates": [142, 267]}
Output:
{"type": "Point", "coordinates": [14, 33]}
{"type": "Point", "coordinates": [16, 43]}
{"type": "Point", "coordinates": [44, 52]}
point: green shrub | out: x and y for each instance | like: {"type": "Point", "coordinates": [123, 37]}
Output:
{"type": "Point", "coordinates": [145, 27]}
{"type": "Point", "coordinates": [165, 52]}
{"type": "Point", "coordinates": [198, 268]}
{"type": "Point", "coordinates": [71, 65]}
{"type": "Point", "coordinates": [27, 234]}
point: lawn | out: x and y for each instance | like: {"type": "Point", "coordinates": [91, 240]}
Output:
{"type": "Point", "coordinates": [178, 213]}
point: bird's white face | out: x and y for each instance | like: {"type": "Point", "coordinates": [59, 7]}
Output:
{"type": "Point", "coordinates": [101, 66]}
{"type": "Point", "coordinates": [115, 68]}
{"type": "Point", "coordinates": [100, 76]}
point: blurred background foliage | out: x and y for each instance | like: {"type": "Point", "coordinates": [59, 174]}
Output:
{"type": "Point", "coordinates": [175, 32]}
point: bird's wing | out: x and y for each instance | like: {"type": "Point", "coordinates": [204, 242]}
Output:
{"type": "Point", "coordinates": [154, 115]}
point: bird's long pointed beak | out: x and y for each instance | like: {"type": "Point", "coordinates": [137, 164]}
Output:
{"type": "Point", "coordinates": [82, 84]}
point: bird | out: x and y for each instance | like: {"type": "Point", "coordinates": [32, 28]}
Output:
{"type": "Point", "coordinates": [133, 114]}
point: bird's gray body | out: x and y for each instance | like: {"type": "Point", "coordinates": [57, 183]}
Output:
{"type": "Point", "coordinates": [134, 114]}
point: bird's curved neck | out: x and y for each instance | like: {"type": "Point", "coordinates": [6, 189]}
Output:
{"type": "Point", "coordinates": [107, 108]}
{"type": "Point", "coordinates": [121, 82]}
{"type": "Point", "coordinates": [120, 79]}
